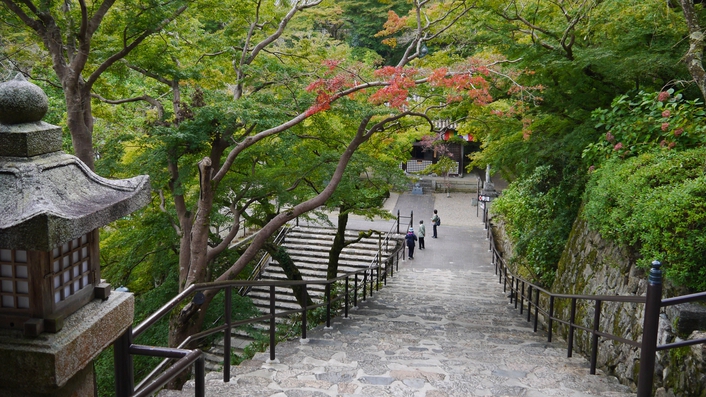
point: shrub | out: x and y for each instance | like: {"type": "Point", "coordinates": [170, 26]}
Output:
{"type": "Point", "coordinates": [655, 203]}
{"type": "Point", "coordinates": [539, 211]}
{"type": "Point", "coordinates": [640, 123]}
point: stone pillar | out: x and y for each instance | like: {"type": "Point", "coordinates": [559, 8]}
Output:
{"type": "Point", "coordinates": [61, 364]}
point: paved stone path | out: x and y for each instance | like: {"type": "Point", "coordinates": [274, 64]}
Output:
{"type": "Point", "coordinates": [441, 327]}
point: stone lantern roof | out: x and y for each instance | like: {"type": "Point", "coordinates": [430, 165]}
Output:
{"type": "Point", "coordinates": [48, 197]}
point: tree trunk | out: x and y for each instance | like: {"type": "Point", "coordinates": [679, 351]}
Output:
{"type": "Point", "coordinates": [79, 119]}
{"type": "Point", "coordinates": [290, 270]}
{"type": "Point", "coordinates": [694, 56]}
{"type": "Point", "coordinates": [339, 243]}
{"type": "Point", "coordinates": [181, 326]}
{"type": "Point", "coordinates": [190, 317]}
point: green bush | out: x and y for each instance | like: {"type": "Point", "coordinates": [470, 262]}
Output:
{"type": "Point", "coordinates": [538, 212]}
{"type": "Point", "coordinates": [640, 123]}
{"type": "Point", "coordinates": [656, 204]}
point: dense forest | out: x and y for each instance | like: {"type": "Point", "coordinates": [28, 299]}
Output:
{"type": "Point", "coordinates": [248, 114]}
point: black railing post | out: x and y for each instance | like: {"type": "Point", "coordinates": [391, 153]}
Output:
{"type": "Point", "coordinates": [355, 292]}
{"type": "Point", "coordinates": [500, 280]}
{"type": "Point", "coordinates": [200, 376]}
{"type": "Point", "coordinates": [377, 277]}
{"type": "Point", "coordinates": [304, 307]}
{"type": "Point", "coordinates": [392, 264]}
{"type": "Point", "coordinates": [512, 289]}
{"type": "Point", "coordinates": [226, 339]}
{"type": "Point", "coordinates": [380, 260]}
{"type": "Point", "coordinates": [503, 280]}
{"type": "Point", "coordinates": [594, 337]}
{"type": "Point", "coordinates": [386, 269]}
{"type": "Point", "coordinates": [494, 261]}
{"type": "Point", "coordinates": [653, 303]}
{"type": "Point", "coordinates": [487, 236]}
{"type": "Point", "coordinates": [347, 299]}
{"type": "Point", "coordinates": [365, 283]}
{"type": "Point", "coordinates": [273, 324]}
{"type": "Point", "coordinates": [550, 323]}
{"type": "Point", "coordinates": [372, 282]}
{"type": "Point", "coordinates": [536, 311]}
{"type": "Point", "coordinates": [398, 221]}
{"type": "Point", "coordinates": [572, 328]}
{"type": "Point", "coordinates": [529, 303]}
{"type": "Point", "coordinates": [328, 306]}
{"type": "Point", "coordinates": [522, 297]}
{"type": "Point", "coordinates": [124, 378]}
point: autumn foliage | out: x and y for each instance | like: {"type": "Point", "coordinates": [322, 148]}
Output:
{"type": "Point", "coordinates": [395, 85]}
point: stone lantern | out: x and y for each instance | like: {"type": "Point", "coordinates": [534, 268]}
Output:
{"type": "Point", "coordinates": [51, 207]}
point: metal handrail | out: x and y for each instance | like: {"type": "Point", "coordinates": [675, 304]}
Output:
{"type": "Point", "coordinates": [242, 291]}
{"type": "Point", "coordinates": [186, 358]}
{"type": "Point", "coordinates": [170, 373]}
{"type": "Point", "coordinates": [522, 289]}
{"type": "Point", "coordinates": [701, 296]}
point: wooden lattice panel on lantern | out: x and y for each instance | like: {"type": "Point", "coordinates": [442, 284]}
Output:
{"type": "Point", "coordinates": [14, 280]}
{"type": "Point", "coordinates": [71, 268]}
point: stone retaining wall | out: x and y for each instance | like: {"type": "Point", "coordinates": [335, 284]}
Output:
{"type": "Point", "coordinates": [593, 266]}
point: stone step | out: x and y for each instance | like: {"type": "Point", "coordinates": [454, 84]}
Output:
{"type": "Point", "coordinates": [309, 249]}
{"type": "Point", "coordinates": [326, 236]}
{"type": "Point", "coordinates": [421, 334]}
{"type": "Point", "coordinates": [354, 254]}
{"type": "Point", "coordinates": [317, 268]}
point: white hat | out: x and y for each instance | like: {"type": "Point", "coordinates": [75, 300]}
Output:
{"type": "Point", "coordinates": [411, 229]}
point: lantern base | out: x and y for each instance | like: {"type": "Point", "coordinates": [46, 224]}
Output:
{"type": "Point", "coordinates": [60, 364]}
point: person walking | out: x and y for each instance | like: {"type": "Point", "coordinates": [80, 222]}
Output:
{"type": "Point", "coordinates": [435, 221]}
{"type": "Point", "coordinates": [411, 238]}
{"type": "Point", "coordinates": [422, 232]}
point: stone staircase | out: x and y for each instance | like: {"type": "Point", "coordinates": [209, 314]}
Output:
{"type": "Point", "coordinates": [436, 330]}
{"type": "Point", "coordinates": [309, 249]}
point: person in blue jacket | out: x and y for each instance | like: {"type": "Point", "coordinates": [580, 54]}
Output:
{"type": "Point", "coordinates": [410, 238]}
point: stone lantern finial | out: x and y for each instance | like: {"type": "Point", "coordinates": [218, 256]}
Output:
{"type": "Point", "coordinates": [22, 101]}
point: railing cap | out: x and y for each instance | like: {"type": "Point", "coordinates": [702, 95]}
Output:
{"type": "Point", "coordinates": [655, 273]}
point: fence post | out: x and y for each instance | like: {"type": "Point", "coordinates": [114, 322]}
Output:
{"type": "Point", "coordinates": [347, 299]}
{"type": "Point", "coordinates": [372, 282]}
{"type": "Point", "coordinates": [200, 376]}
{"type": "Point", "coordinates": [536, 310]}
{"type": "Point", "coordinates": [550, 327]}
{"type": "Point", "coordinates": [650, 326]}
{"type": "Point", "coordinates": [398, 221]}
{"type": "Point", "coordinates": [594, 336]}
{"type": "Point", "coordinates": [227, 335]}
{"type": "Point", "coordinates": [365, 283]}
{"type": "Point", "coordinates": [124, 378]}
{"type": "Point", "coordinates": [327, 292]}
{"type": "Point", "coordinates": [572, 328]}
{"type": "Point", "coordinates": [304, 312]}
{"type": "Point", "coordinates": [273, 325]}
